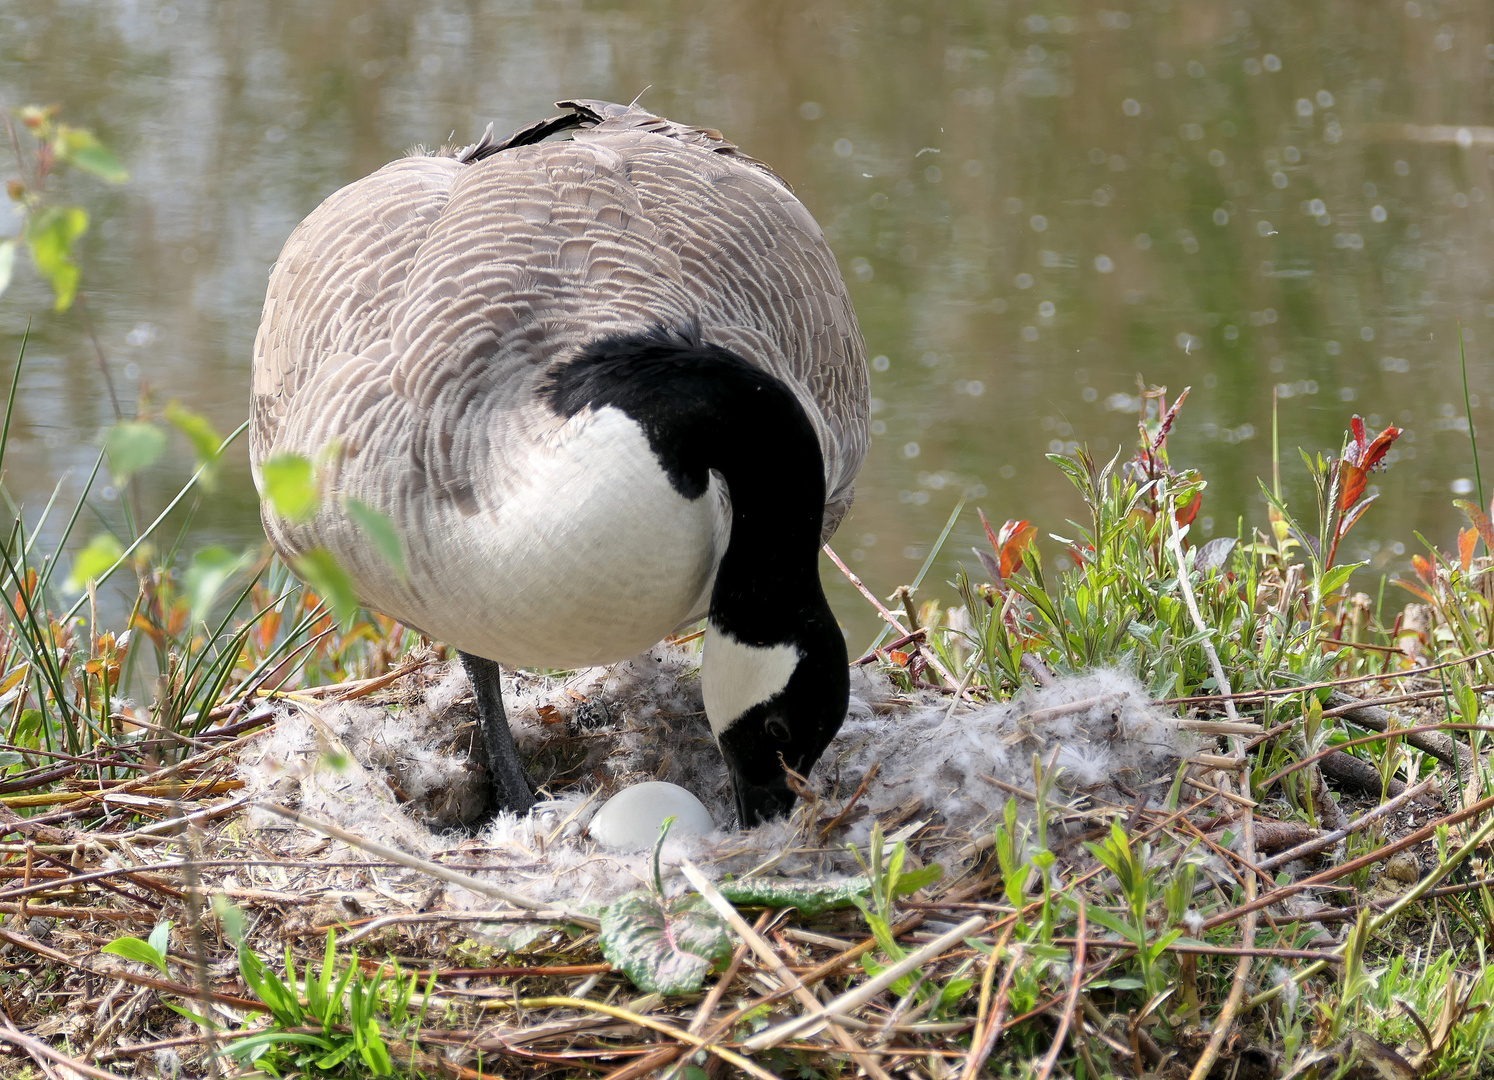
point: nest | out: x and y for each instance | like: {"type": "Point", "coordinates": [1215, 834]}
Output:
{"type": "Point", "coordinates": [394, 768]}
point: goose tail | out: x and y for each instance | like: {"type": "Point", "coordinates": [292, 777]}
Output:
{"type": "Point", "coordinates": [589, 113]}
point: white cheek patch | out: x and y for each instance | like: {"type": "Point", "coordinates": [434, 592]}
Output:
{"type": "Point", "coordinates": [735, 676]}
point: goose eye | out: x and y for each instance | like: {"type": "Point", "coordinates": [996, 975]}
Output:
{"type": "Point", "coordinates": [778, 728]}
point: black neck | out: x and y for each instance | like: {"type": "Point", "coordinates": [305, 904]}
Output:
{"type": "Point", "coordinates": [704, 408]}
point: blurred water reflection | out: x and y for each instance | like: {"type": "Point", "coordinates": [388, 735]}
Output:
{"type": "Point", "coordinates": [1033, 202]}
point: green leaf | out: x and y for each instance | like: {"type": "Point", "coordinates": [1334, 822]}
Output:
{"type": "Point", "coordinates": [377, 526]}
{"type": "Point", "coordinates": [196, 1018]}
{"type": "Point", "coordinates": [883, 933]}
{"type": "Point", "coordinates": [339, 992]}
{"type": "Point", "coordinates": [873, 968]}
{"type": "Point", "coordinates": [133, 445]}
{"type": "Point", "coordinates": [245, 1048]}
{"type": "Point", "coordinates": [895, 865]}
{"type": "Point", "coordinates": [212, 568]}
{"type": "Point", "coordinates": [316, 997]}
{"type": "Point", "coordinates": [373, 1050]}
{"type": "Point", "coordinates": [267, 986]}
{"type": "Point", "coordinates": [7, 264]}
{"type": "Point", "coordinates": [1110, 922]}
{"type": "Point", "coordinates": [1334, 579]}
{"type": "Point", "coordinates": [102, 552]}
{"type": "Point", "coordinates": [53, 232]}
{"type": "Point", "coordinates": [810, 897]}
{"type": "Point", "coordinates": [338, 1056]}
{"type": "Point", "coordinates": [203, 436]}
{"type": "Point", "coordinates": [288, 481]}
{"type": "Point", "coordinates": [132, 948]}
{"type": "Point", "coordinates": [324, 980]}
{"type": "Point", "coordinates": [954, 992]}
{"type": "Point", "coordinates": [160, 937]}
{"type": "Point", "coordinates": [316, 989]}
{"type": "Point", "coordinates": [81, 147]}
{"type": "Point", "coordinates": [664, 946]}
{"type": "Point", "coordinates": [1158, 947]}
{"type": "Point", "coordinates": [321, 571]}
{"type": "Point", "coordinates": [914, 880]}
{"type": "Point", "coordinates": [28, 731]}
{"type": "Point", "coordinates": [252, 971]}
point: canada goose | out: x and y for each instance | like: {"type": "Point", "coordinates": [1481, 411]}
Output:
{"type": "Point", "coordinates": [601, 387]}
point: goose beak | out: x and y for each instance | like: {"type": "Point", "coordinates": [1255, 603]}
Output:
{"type": "Point", "coordinates": [757, 803]}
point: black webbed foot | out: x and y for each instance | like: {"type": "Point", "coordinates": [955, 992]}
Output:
{"type": "Point", "coordinates": [512, 787]}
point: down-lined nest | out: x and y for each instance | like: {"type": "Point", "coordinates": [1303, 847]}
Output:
{"type": "Point", "coordinates": [394, 768]}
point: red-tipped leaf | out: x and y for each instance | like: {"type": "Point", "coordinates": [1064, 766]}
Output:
{"type": "Point", "coordinates": [1364, 451]}
{"type": "Point", "coordinates": [1346, 522]}
{"type": "Point", "coordinates": [1014, 539]}
{"type": "Point", "coordinates": [1351, 481]}
{"type": "Point", "coordinates": [1415, 590]}
{"type": "Point", "coordinates": [1478, 519]}
{"type": "Point", "coordinates": [1467, 542]}
{"type": "Point", "coordinates": [1185, 514]}
{"type": "Point", "coordinates": [1380, 446]}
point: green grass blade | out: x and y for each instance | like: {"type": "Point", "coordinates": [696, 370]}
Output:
{"type": "Point", "coordinates": [927, 563]}
{"type": "Point", "coordinates": [10, 400]}
{"type": "Point", "coordinates": [1478, 476]}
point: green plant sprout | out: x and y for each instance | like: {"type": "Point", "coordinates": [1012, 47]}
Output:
{"type": "Point", "coordinates": [348, 1008]}
{"type": "Point", "coordinates": [1137, 881]}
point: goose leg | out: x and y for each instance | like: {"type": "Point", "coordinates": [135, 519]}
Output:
{"type": "Point", "coordinates": [512, 789]}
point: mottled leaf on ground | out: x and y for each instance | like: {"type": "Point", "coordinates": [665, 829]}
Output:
{"type": "Point", "coordinates": [289, 483]}
{"type": "Point", "coordinates": [102, 552]}
{"type": "Point", "coordinates": [133, 445]}
{"type": "Point", "coordinates": [664, 946]}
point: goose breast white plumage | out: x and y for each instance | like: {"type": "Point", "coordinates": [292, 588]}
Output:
{"type": "Point", "coordinates": [413, 316]}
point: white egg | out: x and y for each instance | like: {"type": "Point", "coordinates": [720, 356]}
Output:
{"type": "Point", "coordinates": [630, 820]}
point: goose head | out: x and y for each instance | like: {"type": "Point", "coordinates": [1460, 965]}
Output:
{"type": "Point", "coordinates": [774, 706]}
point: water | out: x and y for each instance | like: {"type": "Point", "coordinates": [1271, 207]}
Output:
{"type": "Point", "coordinates": [1032, 204]}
